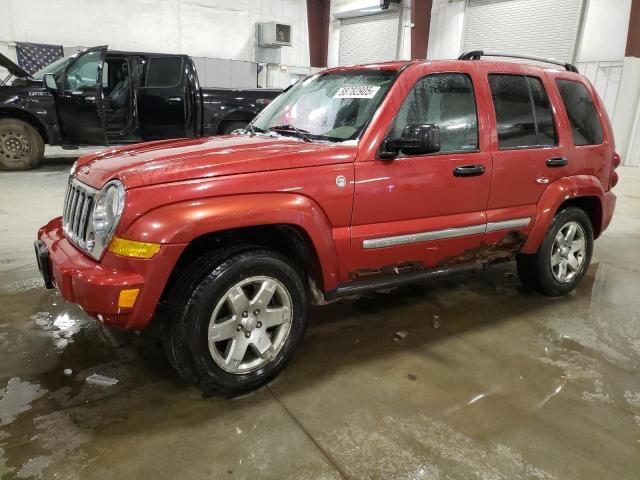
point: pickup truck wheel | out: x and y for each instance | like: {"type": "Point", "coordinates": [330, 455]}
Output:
{"type": "Point", "coordinates": [227, 128]}
{"type": "Point", "coordinates": [21, 146]}
{"type": "Point", "coordinates": [563, 257]}
{"type": "Point", "coordinates": [240, 324]}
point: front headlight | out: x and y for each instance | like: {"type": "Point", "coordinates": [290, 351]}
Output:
{"type": "Point", "coordinates": [108, 208]}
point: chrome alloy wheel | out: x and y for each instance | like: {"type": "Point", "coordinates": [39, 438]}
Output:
{"type": "Point", "coordinates": [568, 252]}
{"type": "Point", "coordinates": [14, 145]}
{"type": "Point", "coordinates": [250, 324]}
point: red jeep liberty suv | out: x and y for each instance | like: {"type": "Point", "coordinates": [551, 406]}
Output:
{"type": "Point", "coordinates": [354, 179]}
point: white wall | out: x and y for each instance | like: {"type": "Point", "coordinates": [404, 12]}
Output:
{"type": "Point", "coordinates": [202, 28]}
{"type": "Point", "coordinates": [446, 30]}
{"type": "Point", "coordinates": [342, 6]}
{"type": "Point", "coordinates": [604, 30]}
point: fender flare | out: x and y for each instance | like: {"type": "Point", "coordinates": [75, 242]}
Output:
{"type": "Point", "coordinates": [185, 221]}
{"type": "Point", "coordinates": [7, 111]}
{"type": "Point", "coordinates": [553, 197]}
{"type": "Point", "coordinates": [230, 116]}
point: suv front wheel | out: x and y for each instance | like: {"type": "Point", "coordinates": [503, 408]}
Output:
{"type": "Point", "coordinates": [234, 324]}
{"type": "Point", "coordinates": [563, 256]}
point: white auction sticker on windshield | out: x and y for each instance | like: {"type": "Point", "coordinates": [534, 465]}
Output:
{"type": "Point", "coordinates": [362, 91]}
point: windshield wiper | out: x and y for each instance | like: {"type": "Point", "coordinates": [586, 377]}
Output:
{"type": "Point", "coordinates": [253, 129]}
{"type": "Point", "coordinates": [290, 128]}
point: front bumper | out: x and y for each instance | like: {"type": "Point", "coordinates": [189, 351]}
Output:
{"type": "Point", "coordinates": [96, 286]}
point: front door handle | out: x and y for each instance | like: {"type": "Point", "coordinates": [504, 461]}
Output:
{"type": "Point", "coordinates": [468, 170]}
{"type": "Point", "coordinates": [557, 162]}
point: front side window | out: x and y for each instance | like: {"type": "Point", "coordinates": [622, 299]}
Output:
{"type": "Point", "coordinates": [164, 72]}
{"type": "Point", "coordinates": [523, 112]}
{"type": "Point", "coordinates": [582, 113]}
{"type": "Point", "coordinates": [84, 71]}
{"type": "Point", "coordinates": [332, 106]}
{"type": "Point", "coordinates": [446, 100]}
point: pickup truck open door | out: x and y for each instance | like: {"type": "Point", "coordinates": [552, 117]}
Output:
{"type": "Point", "coordinates": [168, 98]}
{"type": "Point", "coordinates": [78, 97]}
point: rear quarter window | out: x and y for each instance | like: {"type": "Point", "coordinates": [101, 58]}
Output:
{"type": "Point", "coordinates": [582, 113]}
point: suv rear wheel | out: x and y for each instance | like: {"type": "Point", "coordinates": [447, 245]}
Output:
{"type": "Point", "coordinates": [563, 256]}
{"type": "Point", "coordinates": [234, 324]}
{"type": "Point", "coordinates": [21, 146]}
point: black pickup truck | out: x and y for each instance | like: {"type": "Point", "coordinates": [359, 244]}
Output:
{"type": "Point", "coordinates": [105, 97]}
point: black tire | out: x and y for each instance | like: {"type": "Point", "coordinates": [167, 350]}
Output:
{"type": "Point", "coordinates": [535, 270]}
{"type": "Point", "coordinates": [173, 309]}
{"type": "Point", "coordinates": [21, 146]}
{"type": "Point", "coordinates": [191, 304]}
{"type": "Point", "coordinates": [227, 128]}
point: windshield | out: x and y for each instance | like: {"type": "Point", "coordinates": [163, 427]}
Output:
{"type": "Point", "coordinates": [331, 106]}
{"type": "Point", "coordinates": [55, 67]}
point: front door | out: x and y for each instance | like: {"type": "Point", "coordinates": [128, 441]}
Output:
{"type": "Point", "coordinates": [79, 102]}
{"type": "Point", "coordinates": [165, 108]}
{"type": "Point", "coordinates": [418, 211]}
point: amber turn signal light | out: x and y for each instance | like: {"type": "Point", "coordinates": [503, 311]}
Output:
{"type": "Point", "coordinates": [127, 298]}
{"type": "Point", "coordinates": [132, 248]}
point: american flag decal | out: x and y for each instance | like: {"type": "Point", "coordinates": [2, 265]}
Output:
{"type": "Point", "coordinates": [35, 56]}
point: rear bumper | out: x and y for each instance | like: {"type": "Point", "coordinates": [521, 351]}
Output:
{"type": "Point", "coordinates": [96, 286]}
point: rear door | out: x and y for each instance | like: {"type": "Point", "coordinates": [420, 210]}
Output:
{"type": "Point", "coordinates": [420, 211]}
{"type": "Point", "coordinates": [165, 107]}
{"type": "Point", "coordinates": [528, 153]}
{"type": "Point", "coordinates": [79, 99]}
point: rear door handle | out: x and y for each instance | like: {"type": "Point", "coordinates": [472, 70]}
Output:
{"type": "Point", "coordinates": [468, 170]}
{"type": "Point", "coordinates": [557, 162]}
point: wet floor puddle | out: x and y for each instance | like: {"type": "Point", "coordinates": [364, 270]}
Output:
{"type": "Point", "coordinates": [50, 348]}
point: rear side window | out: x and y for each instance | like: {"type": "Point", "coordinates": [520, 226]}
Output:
{"type": "Point", "coordinates": [523, 112]}
{"type": "Point", "coordinates": [582, 113]}
{"type": "Point", "coordinates": [164, 72]}
{"type": "Point", "coordinates": [446, 100]}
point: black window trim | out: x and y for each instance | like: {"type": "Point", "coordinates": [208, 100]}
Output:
{"type": "Point", "coordinates": [450, 152]}
{"type": "Point", "coordinates": [598, 113]}
{"type": "Point", "coordinates": [533, 111]}
{"type": "Point", "coordinates": [150, 58]}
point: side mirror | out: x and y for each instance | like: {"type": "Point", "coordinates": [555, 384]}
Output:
{"type": "Point", "coordinates": [50, 81]}
{"type": "Point", "coordinates": [415, 140]}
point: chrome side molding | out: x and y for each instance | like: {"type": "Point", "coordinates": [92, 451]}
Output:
{"type": "Point", "coordinates": [507, 224]}
{"type": "Point", "coordinates": [418, 237]}
{"type": "Point", "coordinates": [422, 236]}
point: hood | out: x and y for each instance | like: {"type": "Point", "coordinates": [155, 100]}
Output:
{"type": "Point", "coordinates": [14, 68]}
{"type": "Point", "coordinates": [177, 160]}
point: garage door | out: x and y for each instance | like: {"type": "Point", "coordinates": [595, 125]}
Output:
{"type": "Point", "coordinates": [546, 28]}
{"type": "Point", "coordinates": [373, 38]}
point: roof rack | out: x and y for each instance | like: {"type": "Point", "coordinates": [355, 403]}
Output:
{"type": "Point", "coordinates": [477, 54]}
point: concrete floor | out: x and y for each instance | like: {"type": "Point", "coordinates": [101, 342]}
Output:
{"type": "Point", "coordinates": [489, 382]}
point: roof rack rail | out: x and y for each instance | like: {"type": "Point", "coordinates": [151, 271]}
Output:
{"type": "Point", "coordinates": [477, 54]}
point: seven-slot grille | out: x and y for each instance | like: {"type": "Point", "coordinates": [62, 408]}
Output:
{"type": "Point", "coordinates": [76, 214]}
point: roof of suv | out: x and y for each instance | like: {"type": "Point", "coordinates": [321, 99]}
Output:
{"type": "Point", "coordinates": [476, 55]}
